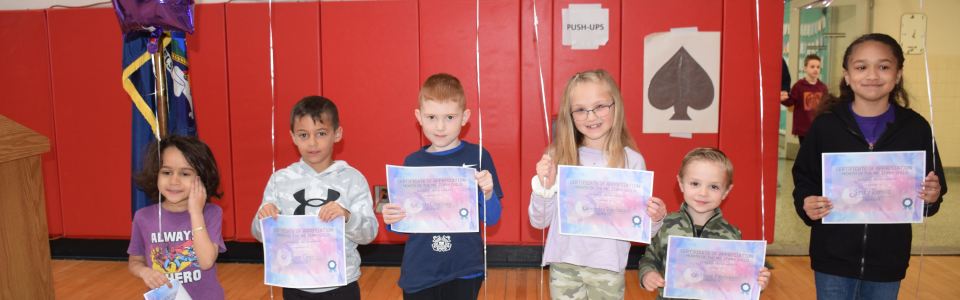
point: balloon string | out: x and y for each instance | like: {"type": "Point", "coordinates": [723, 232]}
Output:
{"type": "Point", "coordinates": [273, 107]}
{"type": "Point", "coordinates": [763, 207]}
{"type": "Point", "coordinates": [933, 147]}
{"type": "Point", "coordinates": [546, 125]}
{"type": "Point", "coordinates": [480, 145]}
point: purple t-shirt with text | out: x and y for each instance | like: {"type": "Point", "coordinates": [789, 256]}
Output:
{"type": "Point", "coordinates": [171, 251]}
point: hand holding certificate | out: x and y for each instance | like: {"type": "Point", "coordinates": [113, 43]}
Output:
{"type": "Point", "coordinates": [435, 199]}
{"type": "Point", "coordinates": [176, 292]}
{"type": "Point", "coordinates": [303, 252]}
{"type": "Point", "coordinates": [605, 202]}
{"type": "Point", "coordinates": [874, 187]}
{"type": "Point", "coordinates": [700, 268]}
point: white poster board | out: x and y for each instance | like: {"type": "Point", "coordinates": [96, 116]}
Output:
{"type": "Point", "coordinates": [681, 81]}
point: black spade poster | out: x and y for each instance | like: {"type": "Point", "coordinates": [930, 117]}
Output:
{"type": "Point", "coordinates": [681, 80]}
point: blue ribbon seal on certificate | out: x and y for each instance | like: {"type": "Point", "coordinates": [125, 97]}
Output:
{"type": "Point", "coordinates": [463, 213]}
{"type": "Point", "coordinates": [745, 288]}
{"type": "Point", "coordinates": [907, 203]}
{"type": "Point", "coordinates": [636, 221]}
{"type": "Point", "coordinates": [332, 265]}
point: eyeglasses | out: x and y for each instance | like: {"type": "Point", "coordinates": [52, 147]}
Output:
{"type": "Point", "coordinates": [600, 111]}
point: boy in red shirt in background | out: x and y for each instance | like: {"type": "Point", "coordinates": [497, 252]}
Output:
{"type": "Point", "coordinates": [806, 94]}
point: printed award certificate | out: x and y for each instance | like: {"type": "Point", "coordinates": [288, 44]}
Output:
{"type": "Point", "coordinates": [168, 293]}
{"type": "Point", "coordinates": [303, 252]}
{"type": "Point", "coordinates": [436, 199]}
{"type": "Point", "coordinates": [874, 187]}
{"type": "Point", "coordinates": [700, 268]}
{"type": "Point", "coordinates": [604, 202]}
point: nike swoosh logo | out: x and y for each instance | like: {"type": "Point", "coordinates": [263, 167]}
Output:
{"type": "Point", "coordinates": [469, 166]}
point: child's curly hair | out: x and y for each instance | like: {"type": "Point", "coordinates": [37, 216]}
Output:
{"type": "Point", "coordinates": [197, 154]}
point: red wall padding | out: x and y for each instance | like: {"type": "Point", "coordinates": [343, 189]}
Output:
{"type": "Point", "coordinates": [251, 105]}
{"type": "Point", "coordinates": [92, 115]}
{"type": "Point", "coordinates": [500, 86]}
{"type": "Point", "coordinates": [371, 70]}
{"type": "Point", "coordinates": [370, 58]}
{"type": "Point", "coordinates": [207, 53]}
{"type": "Point", "coordinates": [739, 138]}
{"type": "Point", "coordinates": [448, 44]}
{"type": "Point", "coordinates": [27, 97]}
{"type": "Point", "coordinates": [532, 104]}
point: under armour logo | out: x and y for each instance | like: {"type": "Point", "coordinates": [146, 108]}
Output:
{"type": "Point", "coordinates": [314, 202]}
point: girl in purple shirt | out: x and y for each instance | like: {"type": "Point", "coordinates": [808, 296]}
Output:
{"type": "Point", "coordinates": [178, 238]}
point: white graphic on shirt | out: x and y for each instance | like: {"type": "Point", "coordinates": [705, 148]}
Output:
{"type": "Point", "coordinates": [441, 243]}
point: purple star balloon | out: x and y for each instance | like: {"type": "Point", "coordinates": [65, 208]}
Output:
{"type": "Point", "coordinates": [164, 14]}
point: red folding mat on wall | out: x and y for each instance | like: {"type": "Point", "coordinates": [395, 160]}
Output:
{"type": "Point", "coordinates": [207, 54]}
{"type": "Point", "coordinates": [27, 96]}
{"type": "Point", "coordinates": [370, 68]}
{"type": "Point", "coordinates": [370, 58]}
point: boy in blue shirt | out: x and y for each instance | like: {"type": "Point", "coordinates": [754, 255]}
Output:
{"type": "Point", "coordinates": [446, 265]}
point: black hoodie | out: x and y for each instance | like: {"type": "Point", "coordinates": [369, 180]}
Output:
{"type": "Point", "coordinates": [874, 252]}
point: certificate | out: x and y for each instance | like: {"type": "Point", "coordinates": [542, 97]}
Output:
{"type": "Point", "coordinates": [604, 202]}
{"type": "Point", "coordinates": [700, 268]}
{"type": "Point", "coordinates": [435, 199]}
{"type": "Point", "coordinates": [303, 252]}
{"type": "Point", "coordinates": [874, 187]}
{"type": "Point", "coordinates": [168, 293]}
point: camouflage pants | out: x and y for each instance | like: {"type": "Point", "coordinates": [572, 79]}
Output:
{"type": "Point", "coordinates": [569, 282]}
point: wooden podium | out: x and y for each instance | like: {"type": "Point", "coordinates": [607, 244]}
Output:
{"type": "Point", "coordinates": [24, 244]}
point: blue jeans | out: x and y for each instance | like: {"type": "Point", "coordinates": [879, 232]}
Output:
{"type": "Point", "coordinates": [833, 287]}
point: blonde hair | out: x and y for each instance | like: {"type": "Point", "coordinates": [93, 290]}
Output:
{"type": "Point", "coordinates": [443, 87]}
{"type": "Point", "coordinates": [710, 155]}
{"type": "Point", "coordinates": [568, 140]}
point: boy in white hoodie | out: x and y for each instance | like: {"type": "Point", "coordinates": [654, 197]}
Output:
{"type": "Point", "coordinates": [318, 185]}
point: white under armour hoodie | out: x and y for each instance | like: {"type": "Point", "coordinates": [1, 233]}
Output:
{"type": "Point", "coordinates": [300, 190]}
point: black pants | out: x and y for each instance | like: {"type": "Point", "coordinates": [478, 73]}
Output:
{"type": "Point", "coordinates": [350, 291]}
{"type": "Point", "coordinates": [457, 289]}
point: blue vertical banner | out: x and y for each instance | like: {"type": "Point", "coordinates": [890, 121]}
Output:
{"type": "Point", "coordinates": [180, 114]}
{"type": "Point", "coordinates": [139, 83]}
